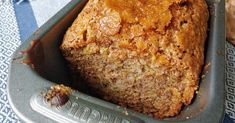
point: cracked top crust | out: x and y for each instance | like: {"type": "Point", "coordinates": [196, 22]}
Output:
{"type": "Point", "coordinates": [167, 29]}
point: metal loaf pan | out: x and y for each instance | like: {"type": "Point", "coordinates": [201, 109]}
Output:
{"type": "Point", "coordinates": [26, 84]}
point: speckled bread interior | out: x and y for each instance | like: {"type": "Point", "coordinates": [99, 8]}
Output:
{"type": "Point", "coordinates": [146, 55]}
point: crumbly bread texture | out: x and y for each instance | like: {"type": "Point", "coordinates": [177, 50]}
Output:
{"type": "Point", "coordinates": [145, 55]}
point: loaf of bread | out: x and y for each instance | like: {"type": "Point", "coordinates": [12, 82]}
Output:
{"type": "Point", "coordinates": [146, 55]}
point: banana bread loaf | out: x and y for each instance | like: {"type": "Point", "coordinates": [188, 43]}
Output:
{"type": "Point", "coordinates": [146, 55]}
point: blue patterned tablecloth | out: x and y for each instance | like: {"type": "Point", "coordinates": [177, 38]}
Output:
{"type": "Point", "coordinates": [20, 18]}
{"type": "Point", "coordinates": [9, 41]}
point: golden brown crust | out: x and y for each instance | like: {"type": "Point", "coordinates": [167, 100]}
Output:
{"type": "Point", "coordinates": [230, 19]}
{"type": "Point", "coordinates": [145, 55]}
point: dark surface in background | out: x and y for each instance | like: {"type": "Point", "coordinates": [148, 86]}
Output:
{"type": "Point", "coordinates": [25, 19]}
{"type": "Point", "coordinates": [227, 119]}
